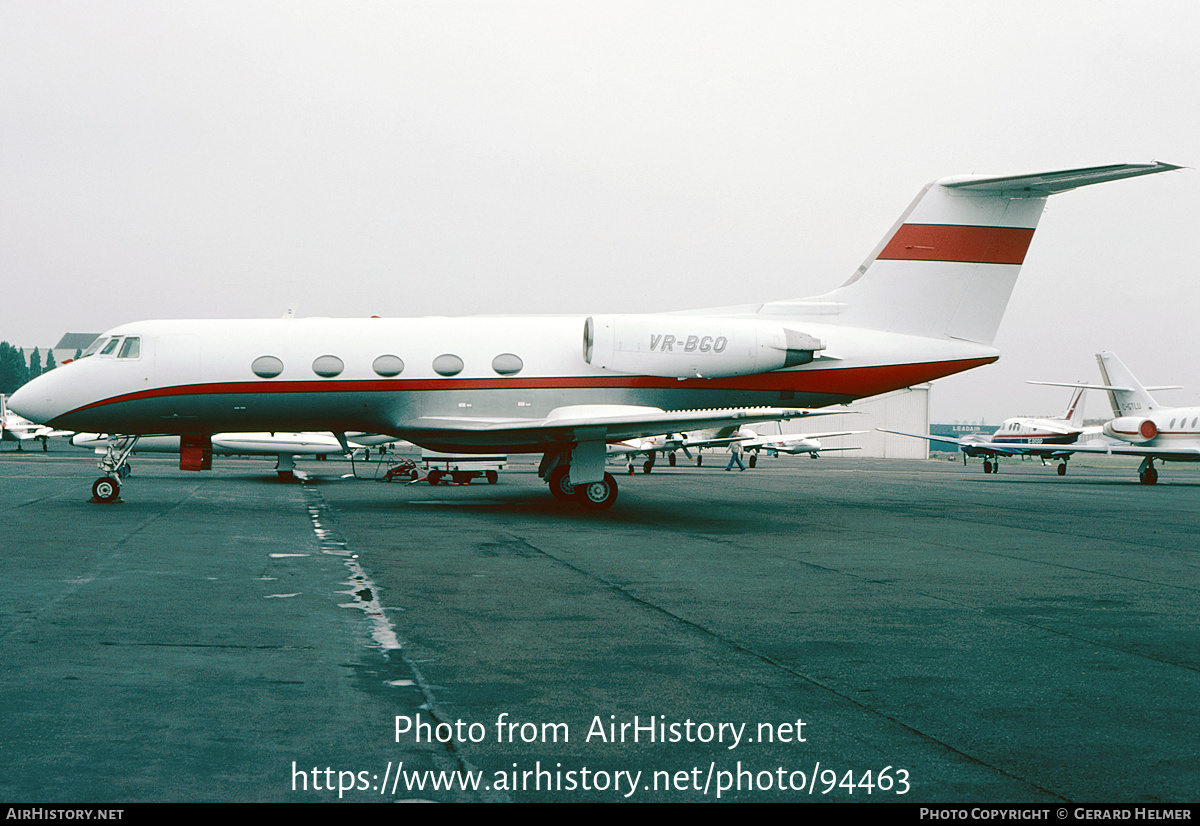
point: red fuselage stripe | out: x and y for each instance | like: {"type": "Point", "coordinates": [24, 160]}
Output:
{"type": "Point", "coordinates": [945, 242]}
{"type": "Point", "coordinates": [854, 382]}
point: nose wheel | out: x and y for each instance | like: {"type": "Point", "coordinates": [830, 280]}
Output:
{"type": "Point", "coordinates": [106, 489]}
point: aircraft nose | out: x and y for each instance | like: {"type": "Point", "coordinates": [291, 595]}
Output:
{"type": "Point", "coordinates": [31, 400]}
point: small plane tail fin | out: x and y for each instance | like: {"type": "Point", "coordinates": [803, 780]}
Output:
{"type": "Point", "coordinates": [1125, 393]}
{"type": "Point", "coordinates": [949, 264]}
{"type": "Point", "coordinates": [1074, 411]}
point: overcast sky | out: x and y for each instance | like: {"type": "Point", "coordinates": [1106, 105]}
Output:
{"type": "Point", "coordinates": [212, 159]}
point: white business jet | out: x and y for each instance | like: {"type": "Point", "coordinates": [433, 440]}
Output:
{"type": "Point", "coordinates": [1023, 436]}
{"type": "Point", "coordinates": [925, 304]}
{"type": "Point", "coordinates": [1146, 428]}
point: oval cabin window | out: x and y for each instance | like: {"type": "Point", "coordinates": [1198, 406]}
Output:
{"type": "Point", "coordinates": [267, 367]}
{"type": "Point", "coordinates": [447, 364]}
{"type": "Point", "coordinates": [507, 364]}
{"type": "Point", "coordinates": [388, 366]}
{"type": "Point", "coordinates": [328, 366]}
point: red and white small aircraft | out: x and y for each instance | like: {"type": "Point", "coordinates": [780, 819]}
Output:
{"type": "Point", "coordinates": [925, 304]}
{"type": "Point", "coordinates": [1023, 436]}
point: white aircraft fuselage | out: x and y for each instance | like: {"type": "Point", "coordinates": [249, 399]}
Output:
{"type": "Point", "coordinates": [199, 377]}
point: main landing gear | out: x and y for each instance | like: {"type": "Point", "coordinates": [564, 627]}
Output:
{"type": "Point", "coordinates": [1147, 473]}
{"type": "Point", "coordinates": [599, 493]}
{"type": "Point", "coordinates": [115, 466]}
{"type": "Point", "coordinates": [991, 467]}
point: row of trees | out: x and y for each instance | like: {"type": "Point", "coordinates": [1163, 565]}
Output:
{"type": "Point", "coordinates": [14, 371]}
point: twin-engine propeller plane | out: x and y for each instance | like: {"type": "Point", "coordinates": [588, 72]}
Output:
{"type": "Point", "coordinates": [751, 442]}
{"type": "Point", "coordinates": [925, 304]}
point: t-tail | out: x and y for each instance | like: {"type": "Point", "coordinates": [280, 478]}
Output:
{"type": "Point", "coordinates": [1125, 393]}
{"type": "Point", "coordinates": [949, 265]}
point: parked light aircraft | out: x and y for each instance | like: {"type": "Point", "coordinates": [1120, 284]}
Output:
{"type": "Point", "coordinates": [284, 446]}
{"type": "Point", "coordinates": [1147, 429]}
{"type": "Point", "coordinates": [1022, 436]}
{"type": "Point", "coordinates": [14, 428]}
{"type": "Point", "coordinates": [926, 303]}
{"type": "Point", "coordinates": [698, 440]}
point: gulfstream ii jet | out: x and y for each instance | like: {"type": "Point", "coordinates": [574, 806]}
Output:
{"type": "Point", "coordinates": [925, 304]}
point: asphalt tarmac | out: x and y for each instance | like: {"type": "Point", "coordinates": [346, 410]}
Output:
{"type": "Point", "coordinates": [841, 629]}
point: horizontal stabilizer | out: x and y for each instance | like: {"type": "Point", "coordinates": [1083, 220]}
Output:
{"type": "Point", "coordinates": [1048, 183]}
{"type": "Point", "coordinates": [1103, 386]}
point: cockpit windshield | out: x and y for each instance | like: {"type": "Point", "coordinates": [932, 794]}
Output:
{"type": "Point", "coordinates": [93, 347]}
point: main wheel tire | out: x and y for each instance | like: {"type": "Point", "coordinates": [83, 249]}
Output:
{"type": "Point", "coordinates": [671, 459]}
{"type": "Point", "coordinates": [1062, 469]}
{"type": "Point", "coordinates": [754, 460]}
{"type": "Point", "coordinates": [1149, 476]}
{"type": "Point", "coordinates": [598, 495]}
{"type": "Point", "coordinates": [987, 466]}
{"type": "Point", "coordinates": [106, 489]}
{"type": "Point", "coordinates": [560, 483]}
{"type": "Point", "coordinates": [434, 477]}
{"type": "Point", "coordinates": [492, 477]}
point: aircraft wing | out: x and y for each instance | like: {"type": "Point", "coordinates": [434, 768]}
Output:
{"type": "Point", "coordinates": [977, 448]}
{"type": "Point", "coordinates": [1165, 453]}
{"type": "Point", "coordinates": [25, 431]}
{"type": "Point", "coordinates": [788, 444]}
{"type": "Point", "coordinates": [579, 423]}
{"type": "Point", "coordinates": [623, 449]}
{"type": "Point", "coordinates": [780, 442]}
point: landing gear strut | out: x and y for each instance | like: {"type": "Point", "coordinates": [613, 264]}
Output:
{"type": "Point", "coordinates": [115, 466]}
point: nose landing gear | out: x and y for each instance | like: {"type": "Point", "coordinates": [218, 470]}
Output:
{"type": "Point", "coordinates": [115, 466]}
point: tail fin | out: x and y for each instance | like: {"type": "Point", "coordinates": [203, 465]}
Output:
{"type": "Point", "coordinates": [1125, 393]}
{"type": "Point", "coordinates": [1074, 413]}
{"type": "Point", "coordinates": [949, 264]}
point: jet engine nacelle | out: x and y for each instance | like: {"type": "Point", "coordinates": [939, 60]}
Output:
{"type": "Point", "coordinates": [1131, 429]}
{"type": "Point", "coordinates": [685, 346]}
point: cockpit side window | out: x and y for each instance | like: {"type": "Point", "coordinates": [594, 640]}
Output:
{"type": "Point", "coordinates": [131, 349]}
{"type": "Point", "coordinates": [93, 347]}
{"type": "Point", "coordinates": [112, 345]}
